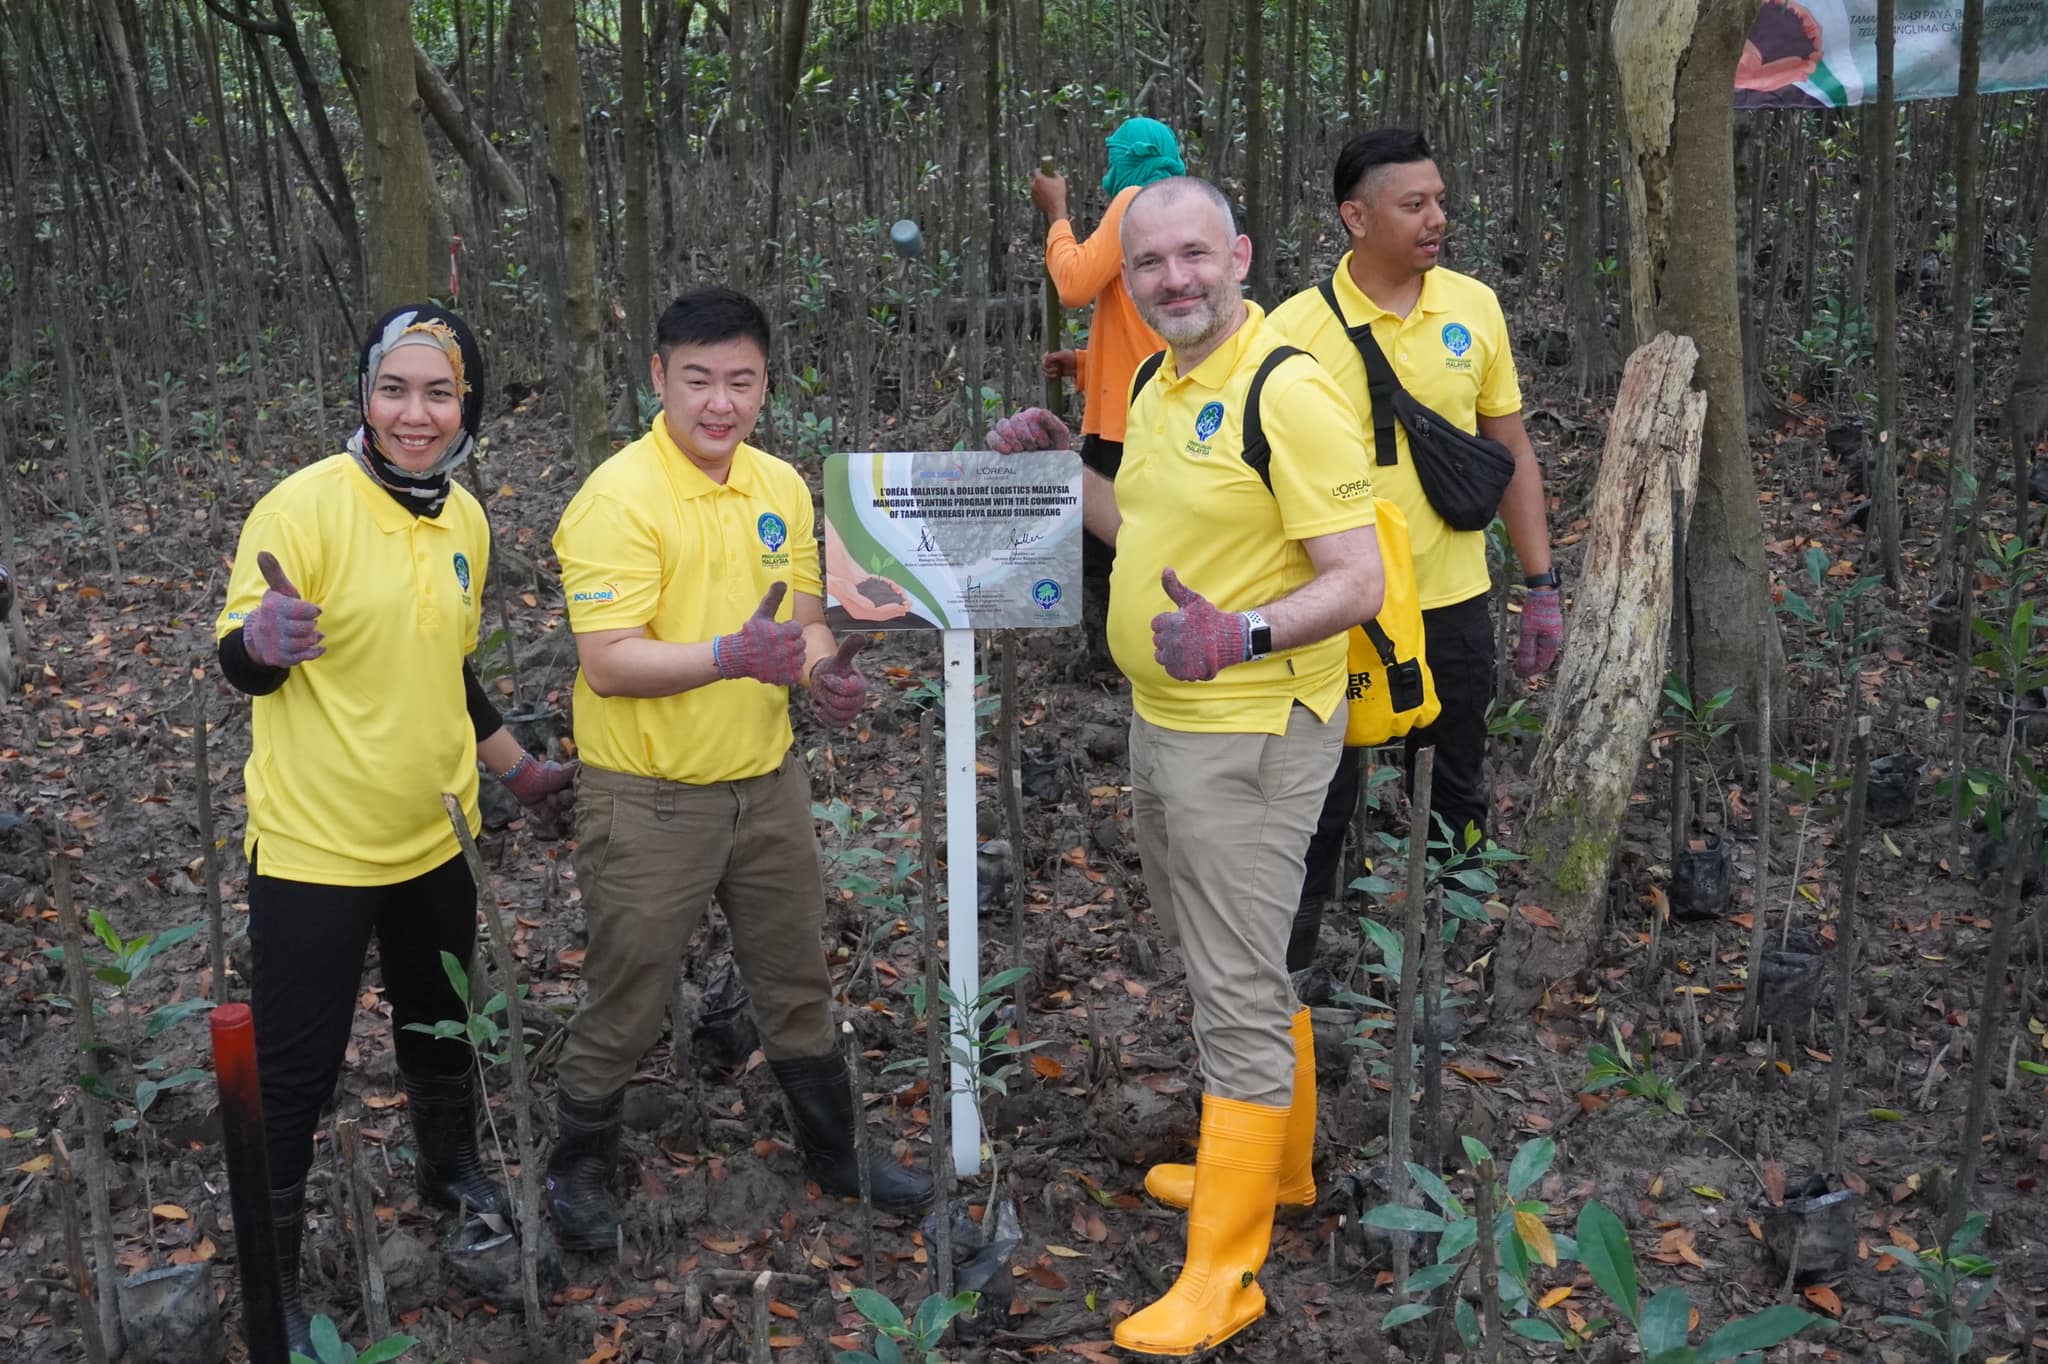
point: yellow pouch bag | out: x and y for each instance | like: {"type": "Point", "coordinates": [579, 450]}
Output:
{"type": "Point", "coordinates": [1390, 690]}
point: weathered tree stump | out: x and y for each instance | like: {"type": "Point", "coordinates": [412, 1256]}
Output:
{"type": "Point", "coordinates": [1612, 672]}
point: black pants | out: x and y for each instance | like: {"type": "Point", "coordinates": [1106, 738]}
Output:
{"type": "Point", "coordinates": [1458, 641]}
{"type": "Point", "coordinates": [308, 943]}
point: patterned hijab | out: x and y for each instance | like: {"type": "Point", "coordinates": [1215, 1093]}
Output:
{"type": "Point", "coordinates": [419, 324]}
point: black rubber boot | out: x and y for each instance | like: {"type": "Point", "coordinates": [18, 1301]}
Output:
{"type": "Point", "coordinates": [821, 1110]}
{"type": "Point", "coordinates": [578, 1187]}
{"type": "Point", "coordinates": [287, 1228]}
{"type": "Point", "coordinates": [451, 1171]}
{"type": "Point", "coordinates": [1301, 939]}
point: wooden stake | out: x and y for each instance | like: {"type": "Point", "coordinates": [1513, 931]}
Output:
{"type": "Point", "coordinates": [78, 981]}
{"type": "Point", "coordinates": [2020, 854]}
{"type": "Point", "coordinates": [860, 1158]}
{"type": "Point", "coordinates": [1007, 738]}
{"type": "Point", "coordinates": [1400, 1101]}
{"type": "Point", "coordinates": [1490, 1326]}
{"type": "Point", "coordinates": [1845, 941]}
{"type": "Point", "coordinates": [937, 1018]}
{"type": "Point", "coordinates": [209, 852]}
{"type": "Point", "coordinates": [499, 944]}
{"type": "Point", "coordinates": [1752, 988]}
{"type": "Point", "coordinates": [362, 1216]}
{"type": "Point", "coordinates": [74, 1248]}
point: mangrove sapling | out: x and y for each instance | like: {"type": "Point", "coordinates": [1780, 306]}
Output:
{"type": "Point", "coordinates": [1945, 1271]}
{"type": "Point", "coordinates": [1400, 1098]}
{"type": "Point", "coordinates": [894, 1333]}
{"type": "Point", "coordinates": [330, 1348]}
{"type": "Point", "coordinates": [1663, 1325]}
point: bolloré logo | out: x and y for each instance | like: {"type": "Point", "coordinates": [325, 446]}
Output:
{"type": "Point", "coordinates": [608, 592]}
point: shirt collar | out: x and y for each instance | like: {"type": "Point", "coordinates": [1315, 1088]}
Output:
{"type": "Point", "coordinates": [390, 518]}
{"type": "Point", "coordinates": [1217, 367]}
{"type": "Point", "coordinates": [1357, 304]}
{"type": "Point", "coordinates": [691, 481]}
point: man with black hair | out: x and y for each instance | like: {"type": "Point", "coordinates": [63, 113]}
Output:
{"type": "Point", "coordinates": [1447, 342]}
{"type": "Point", "coordinates": [690, 563]}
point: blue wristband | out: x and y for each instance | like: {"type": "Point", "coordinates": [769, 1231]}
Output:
{"type": "Point", "coordinates": [719, 667]}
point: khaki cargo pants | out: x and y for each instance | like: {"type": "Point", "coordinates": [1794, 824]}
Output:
{"type": "Point", "coordinates": [1223, 823]}
{"type": "Point", "coordinates": [650, 856]}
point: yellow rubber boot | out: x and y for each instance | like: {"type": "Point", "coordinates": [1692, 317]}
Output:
{"type": "Point", "coordinates": [1230, 1228]}
{"type": "Point", "coordinates": [1175, 1184]}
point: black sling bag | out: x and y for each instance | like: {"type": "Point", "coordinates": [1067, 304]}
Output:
{"type": "Point", "coordinates": [1463, 475]}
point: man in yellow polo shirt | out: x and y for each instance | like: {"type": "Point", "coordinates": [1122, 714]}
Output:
{"type": "Point", "coordinates": [690, 562]}
{"type": "Point", "coordinates": [1227, 610]}
{"type": "Point", "coordinates": [1445, 338]}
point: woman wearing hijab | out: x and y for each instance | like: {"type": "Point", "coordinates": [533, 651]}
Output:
{"type": "Point", "coordinates": [1141, 150]}
{"type": "Point", "coordinates": [351, 614]}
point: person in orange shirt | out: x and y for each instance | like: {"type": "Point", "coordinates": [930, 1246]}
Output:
{"type": "Point", "coordinates": [1141, 151]}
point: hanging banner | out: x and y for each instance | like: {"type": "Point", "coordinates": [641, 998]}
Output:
{"type": "Point", "coordinates": [1822, 54]}
{"type": "Point", "coordinates": [953, 540]}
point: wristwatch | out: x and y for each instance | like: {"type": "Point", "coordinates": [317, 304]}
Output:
{"type": "Point", "coordinates": [1549, 579]}
{"type": "Point", "coordinates": [1258, 636]}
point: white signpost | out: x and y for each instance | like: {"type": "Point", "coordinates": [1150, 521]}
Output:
{"type": "Point", "coordinates": [955, 541]}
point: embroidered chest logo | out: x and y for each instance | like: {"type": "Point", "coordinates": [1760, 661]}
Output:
{"type": "Point", "coordinates": [462, 575]}
{"type": "Point", "coordinates": [774, 533]}
{"type": "Point", "coordinates": [1457, 340]}
{"type": "Point", "coordinates": [1207, 423]}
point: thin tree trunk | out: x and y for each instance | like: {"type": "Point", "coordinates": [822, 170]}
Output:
{"type": "Point", "coordinates": [1884, 477]}
{"type": "Point", "coordinates": [1680, 183]}
{"type": "Point", "coordinates": [569, 171]}
{"type": "Point", "coordinates": [375, 41]}
{"type": "Point", "coordinates": [639, 138]}
{"type": "Point", "coordinates": [444, 102]}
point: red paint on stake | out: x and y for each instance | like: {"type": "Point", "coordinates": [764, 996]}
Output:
{"type": "Point", "coordinates": [241, 1121]}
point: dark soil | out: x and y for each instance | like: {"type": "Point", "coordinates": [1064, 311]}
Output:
{"type": "Point", "coordinates": [98, 748]}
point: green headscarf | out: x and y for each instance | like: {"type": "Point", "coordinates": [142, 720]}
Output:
{"type": "Point", "coordinates": [1140, 151]}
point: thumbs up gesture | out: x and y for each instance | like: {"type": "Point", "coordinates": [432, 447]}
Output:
{"type": "Point", "coordinates": [838, 690]}
{"type": "Point", "coordinates": [1195, 641]}
{"type": "Point", "coordinates": [281, 631]}
{"type": "Point", "coordinates": [763, 648]}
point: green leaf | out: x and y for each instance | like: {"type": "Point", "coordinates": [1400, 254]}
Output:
{"type": "Point", "coordinates": [97, 1086]}
{"type": "Point", "coordinates": [877, 1309]}
{"type": "Point", "coordinates": [1431, 1278]}
{"type": "Point", "coordinates": [458, 975]}
{"type": "Point", "coordinates": [326, 1340]}
{"type": "Point", "coordinates": [1468, 1323]}
{"type": "Point", "coordinates": [1426, 1180]}
{"type": "Point", "coordinates": [1535, 1328]}
{"type": "Point", "coordinates": [935, 1312]}
{"type": "Point", "coordinates": [1405, 1313]}
{"type": "Point", "coordinates": [1476, 1152]}
{"type": "Point", "coordinates": [1529, 1165]}
{"type": "Point", "coordinates": [1759, 1332]}
{"type": "Point", "coordinates": [1605, 1251]}
{"type": "Point", "coordinates": [1003, 980]}
{"type": "Point", "coordinates": [1665, 1320]}
{"type": "Point", "coordinates": [389, 1348]}
{"type": "Point", "coordinates": [1393, 1217]}
{"type": "Point", "coordinates": [169, 1016]}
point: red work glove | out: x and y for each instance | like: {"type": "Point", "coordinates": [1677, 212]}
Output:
{"type": "Point", "coordinates": [545, 789]}
{"type": "Point", "coordinates": [280, 632]}
{"type": "Point", "coordinates": [838, 690]}
{"type": "Point", "coordinates": [1032, 429]}
{"type": "Point", "coordinates": [1542, 632]}
{"type": "Point", "coordinates": [1197, 641]}
{"type": "Point", "coordinates": [764, 648]}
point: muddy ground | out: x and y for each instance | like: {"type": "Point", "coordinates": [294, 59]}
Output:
{"type": "Point", "coordinates": [98, 747]}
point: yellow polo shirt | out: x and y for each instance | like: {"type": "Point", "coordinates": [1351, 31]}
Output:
{"type": "Point", "coordinates": [651, 541]}
{"type": "Point", "coordinates": [1451, 353]}
{"type": "Point", "coordinates": [1189, 502]}
{"type": "Point", "coordinates": [350, 756]}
